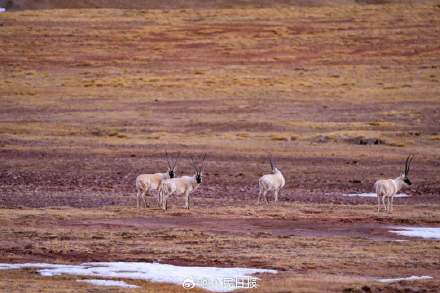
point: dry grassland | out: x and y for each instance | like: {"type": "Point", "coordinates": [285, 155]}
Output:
{"type": "Point", "coordinates": [340, 95]}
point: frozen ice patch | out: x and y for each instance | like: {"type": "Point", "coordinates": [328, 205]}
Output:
{"type": "Point", "coordinates": [209, 278]}
{"type": "Point", "coordinates": [110, 283]}
{"type": "Point", "coordinates": [412, 278]}
{"type": "Point", "coordinates": [372, 194]}
{"type": "Point", "coordinates": [423, 232]}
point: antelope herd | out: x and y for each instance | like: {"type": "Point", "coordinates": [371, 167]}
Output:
{"type": "Point", "coordinates": [182, 185]}
{"type": "Point", "coordinates": [167, 184]}
{"type": "Point", "coordinates": [146, 183]}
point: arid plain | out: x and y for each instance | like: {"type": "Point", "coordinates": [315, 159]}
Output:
{"type": "Point", "coordinates": [339, 95]}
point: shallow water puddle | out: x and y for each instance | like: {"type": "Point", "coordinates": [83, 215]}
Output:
{"type": "Point", "coordinates": [372, 194]}
{"type": "Point", "coordinates": [209, 278]}
{"type": "Point", "coordinates": [411, 278]}
{"type": "Point", "coordinates": [423, 232]}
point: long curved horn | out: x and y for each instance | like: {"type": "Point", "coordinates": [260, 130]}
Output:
{"type": "Point", "coordinates": [202, 167]}
{"type": "Point", "coordinates": [406, 165]}
{"type": "Point", "coordinates": [175, 161]}
{"type": "Point", "coordinates": [409, 161]}
{"type": "Point", "coordinates": [271, 162]}
{"type": "Point", "coordinates": [193, 164]}
{"type": "Point", "coordinates": [168, 159]}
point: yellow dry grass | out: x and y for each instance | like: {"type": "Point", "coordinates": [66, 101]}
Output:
{"type": "Point", "coordinates": [311, 263]}
{"type": "Point", "coordinates": [233, 82]}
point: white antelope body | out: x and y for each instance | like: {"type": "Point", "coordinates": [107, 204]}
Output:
{"type": "Point", "coordinates": [271, 183]}
{"type": "Point", "coordinates": [386, 189]}
{"type": "Point", "coordinates": [147, 183]}
{"type": "Point", "coordinates": [183, 185]}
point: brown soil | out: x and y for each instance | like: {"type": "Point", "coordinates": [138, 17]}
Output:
{"type": "Point", "coordinates": [92, 98]}
{"type": "Point", "coordinates": [250, 226]}
{"type": "Point", "coordinates": [188, 4]}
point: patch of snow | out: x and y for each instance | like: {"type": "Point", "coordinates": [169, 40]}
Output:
{"type": "Point", "coordinates": [2, 9]}
{"type": "Point", "coordinates": [423, 232]}
{"type": "Point", "coordinates": [372, 194]}
{"type": "Point", "coordinates": [412, 278]}
{"type": "Point", "coordinates": [209, 278]}
{"type": "Point", "coordinates": [108, 283]}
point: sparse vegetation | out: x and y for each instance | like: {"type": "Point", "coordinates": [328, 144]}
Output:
{"type": "Point", "coordinates": [339, 94]}
{"type": "Point", "coordinates": [280, 137]}
{"type": "Point", "coordinates": [58, 235]}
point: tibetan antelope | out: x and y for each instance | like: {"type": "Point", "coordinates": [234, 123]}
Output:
{"type": "Point", "coordinates": [183, 185]}
{"type": "Point", "coordinates": [146, 183]}
{"type": "Point", "coordinates": [386, 189]}
{"type": "Point", "coordinates": [271, 183]}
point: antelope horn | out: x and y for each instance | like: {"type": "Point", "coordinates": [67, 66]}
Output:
{"type": "Point", "coordinates": [406, 165]}
{"type": "Point", "coordinates": [175, 161]}
{"type": "Point", "coordinates": [271, 162]}
{"type": "Point", "coordinates": [193, 164]}
{"type": "Point", "coordinates": [168, 160]}
{"type": "Point", "coordinates": [409, 161]}
{"type": "Point", "coordinates": [203, 163]}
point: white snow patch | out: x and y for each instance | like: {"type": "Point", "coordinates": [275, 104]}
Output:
{"type": "Point", "coordinates": [372, 194]}
{"type": "Point", "coordinates": [108, 283]}
{"type": "Point", "coordinates": [423, 232]}
{"type": "Point", "coordinates": [412, 278]}
{"type": "Point", "coordinates": [2, 9]}
{"type": "Point", "coordinates": [209, 278]}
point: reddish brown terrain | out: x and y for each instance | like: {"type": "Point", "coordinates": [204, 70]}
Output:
{"type": "Point", "coordinates": [187, 4]}
{"type": "Point", "coordinates": [339, 94]}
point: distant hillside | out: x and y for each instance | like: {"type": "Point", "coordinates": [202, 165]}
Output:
{"type": "Point", "coordinates": [168, 4]}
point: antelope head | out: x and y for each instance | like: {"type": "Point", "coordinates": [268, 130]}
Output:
{"type": "Point", "coordinates": [172, 165]}
{"type": "Point", "coordinates": [404, 175]}
{"type": "Point", "coordinates": [199, 169]}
